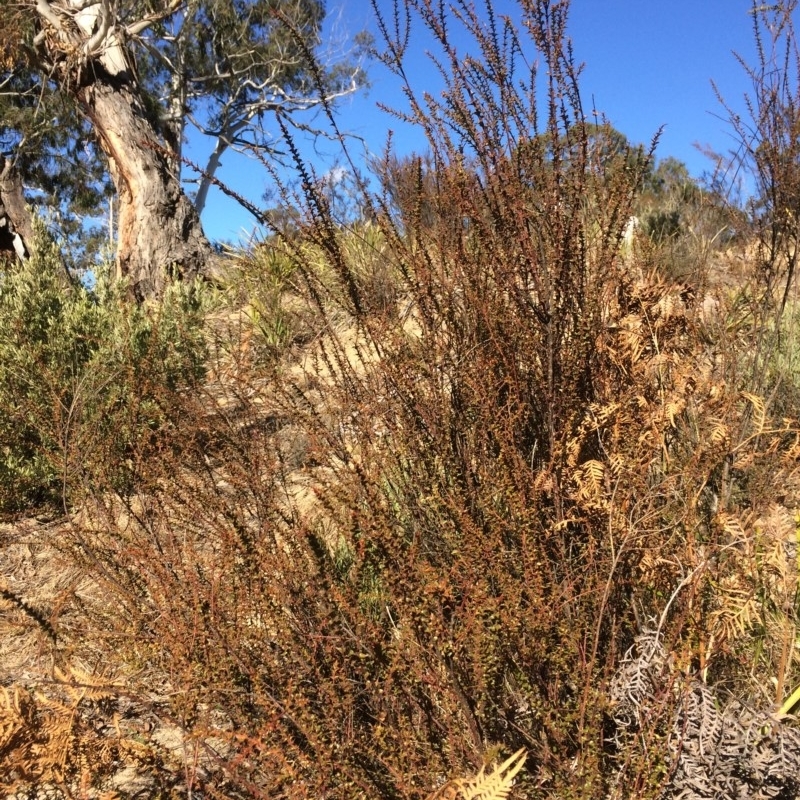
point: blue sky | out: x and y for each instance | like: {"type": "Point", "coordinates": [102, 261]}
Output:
{"type": "Point", "coordinates": [648, 63]}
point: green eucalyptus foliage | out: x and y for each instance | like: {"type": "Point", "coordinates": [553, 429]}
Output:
{"type": "Point", "coordinates": [84, 374]}
{"type": "Point", "coordinates": [56, 155]}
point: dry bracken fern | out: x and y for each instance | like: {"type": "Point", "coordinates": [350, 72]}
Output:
{"type": "Point", "coordinates": [717, 748]}
{"type": "Point", "coordinates": [494, 786]}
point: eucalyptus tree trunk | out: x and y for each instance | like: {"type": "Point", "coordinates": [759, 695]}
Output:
{"type": "Point", "coordinates": [159, 231]}
{"type": "Point", "coordinates": [16, 224]}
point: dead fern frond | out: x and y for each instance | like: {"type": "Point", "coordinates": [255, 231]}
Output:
{"type": "Point", "coordinates": [590, 480]}
{"type": "Point", "coordinates": [674, 408]}
{"type": "Point", "coordinates": [759, 412]}
{"type": "Point", "coordinates": [84, 685]}
{"type": "Point", "coordinates": [494, 786]}
{"type": "Point", "coordinates": [720, 433]}
{"type": "Point", "coordinates": [731, 525]}
{"type": "Point", "coordinates": [14, 714]}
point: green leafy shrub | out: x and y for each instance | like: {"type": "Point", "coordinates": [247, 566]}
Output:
{"type": "Point", "coordinates": [81, 374]}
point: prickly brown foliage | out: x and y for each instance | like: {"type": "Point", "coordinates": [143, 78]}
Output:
{"type": "Point", "coordinates": [766, 156]}
{"type": "Point", "coordinates": [446, 464]}
{"type": "Point", "coordinates": [768, 139]}
{"type": "Point", "coordinates": [432, 597]}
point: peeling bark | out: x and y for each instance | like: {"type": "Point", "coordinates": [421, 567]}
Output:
{"type": "Point", "coordinates": [159, 230]}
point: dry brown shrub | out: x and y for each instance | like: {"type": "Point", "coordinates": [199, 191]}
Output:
{"type": "Point", "coordinates": [428, 531]}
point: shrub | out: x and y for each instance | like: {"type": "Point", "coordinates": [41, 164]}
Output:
{"type": "Point", "coordinates": [81, 372]}
{"type": "Point", "coordinates": [431, 537]}
{"type": "Point", "coordinates": [445, 588]}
